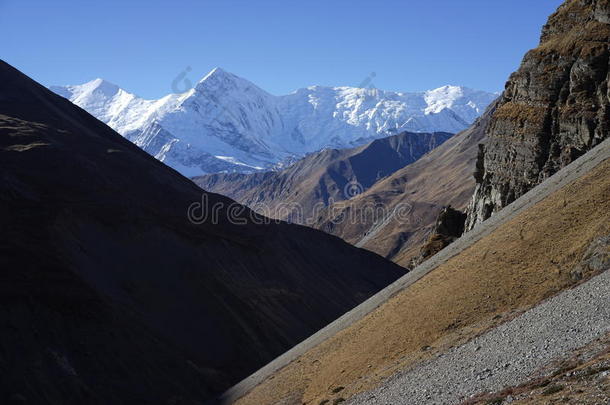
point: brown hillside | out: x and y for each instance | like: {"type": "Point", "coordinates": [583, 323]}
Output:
{"type": "Point", "coordinates": [524, 261]}
{"type": "Point", "coordinates": [300, 191]}
{"type": "Point", "coordinates": [420, 190]}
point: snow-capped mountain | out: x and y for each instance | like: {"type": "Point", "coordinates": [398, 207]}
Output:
{"type": "Point", "coordinates": [226, 123]}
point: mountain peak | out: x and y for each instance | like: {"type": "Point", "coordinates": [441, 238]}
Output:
{"type": "Point", "coordinates": [217, 71]}
{"type": "Point", "coordinates": [97, 81]}
{"type": "Point", "coordinates": [98, 86]}
{"type": "Point", "coordinates": [447, 90]}
{"type": "Point", "coordinates": [218, 74]}
{"type": "Point", "coordinates": [219, 78]}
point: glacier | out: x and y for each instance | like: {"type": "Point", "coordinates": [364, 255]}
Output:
{"type": "Point", "coordinates": [228, 124]}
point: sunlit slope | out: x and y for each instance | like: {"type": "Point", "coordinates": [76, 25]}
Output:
{"type": "Point", "coordinates": [524, 261]}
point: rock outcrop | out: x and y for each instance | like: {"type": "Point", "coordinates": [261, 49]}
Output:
{"type": "Point", "coordinates": [448, 227]}
{"type": "Point", "coordinates": [595, 260]}
{"type": "Point", "coordinates": [554, 108]}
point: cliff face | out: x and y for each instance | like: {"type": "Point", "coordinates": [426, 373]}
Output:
{"type": "Point", "coordinates": [554, 108]}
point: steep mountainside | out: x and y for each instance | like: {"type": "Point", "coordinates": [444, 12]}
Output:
{"type": "Point", "coordinates": [523, 259]}
{"type": "Point", "coordinates": [111, 293]}
{"type": "Point", "coordinates": [300, 191]}
{"type": "Point", "coordinates": [555, 108]}
{"type": "Point", "coordinates": [228, 124]}
{"type": "Point", "coordinates": [505, 284]}
{"type": "Point", "coordinates": [396, 215]}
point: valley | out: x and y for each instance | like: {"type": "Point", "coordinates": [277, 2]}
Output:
{"type": "Point", "coordinates": [226, 245]}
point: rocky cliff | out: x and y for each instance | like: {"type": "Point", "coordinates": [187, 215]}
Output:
{"type": "Point", "coordinates": [449, 226]}
{"type": "Point", "coordinates": [554, 108]}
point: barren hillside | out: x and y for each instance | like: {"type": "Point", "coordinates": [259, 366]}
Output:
{"type": "Point", "coordinates": [531, 257]}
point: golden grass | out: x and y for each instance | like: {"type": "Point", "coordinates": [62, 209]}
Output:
{"type": "Point", "coordinates": [581, 41]}
{"type": "Point", "coordinates": [528, 118]}
{"type": "Point", "coordinates": [516, 111]}
{"type": "Point", "coordinates": [523, 262]}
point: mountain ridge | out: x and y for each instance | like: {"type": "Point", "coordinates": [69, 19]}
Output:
{"type": "Point", "coordinates": [298, 192]}
{"type": "Point", "coordinates": [440, 178]}
{"type": "Point", "coordinates": [226, 123]}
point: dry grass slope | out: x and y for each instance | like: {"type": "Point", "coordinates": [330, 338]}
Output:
{"type": "Point", "coordinates": [524, 261]}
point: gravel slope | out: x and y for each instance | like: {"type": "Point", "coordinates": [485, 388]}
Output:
{"type": "Point", "coordinates": [506, 355]}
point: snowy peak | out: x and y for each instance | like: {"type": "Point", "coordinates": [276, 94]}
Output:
{"type": "Point", "coordinates": [227, 123]}
{"type": "Point", "coordinates": [97, 87]}
{"type": "Point", "coordinates": [445, 97]}
{"type": "Point", "coordinates": [104, 100]}
{"type": "Point", "coordinates": [218, 74]}
{"type": "Point", "coordinates": [217, 77]}
{"type": "Point", "coordinates": [90, 94]}
{"type": "Point", "coordinates": [102, 87]}
{"type": "Point", "coordinates": [221, 80]}
{"type": "Point", "coordinates": [465, 102]}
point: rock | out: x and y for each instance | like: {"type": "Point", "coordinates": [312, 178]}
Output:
{"type": "Point", "coordinates": [595, 260]}
{"type": "Point", "coordinates": [554, 109]}
{"type": "Point", "coordinates": [448, 227]}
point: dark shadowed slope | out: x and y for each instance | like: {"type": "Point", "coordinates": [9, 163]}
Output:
{"type": "Point", "coordinates": [111, 295]}
{"type": "Point", "coordinates": [300, 191]}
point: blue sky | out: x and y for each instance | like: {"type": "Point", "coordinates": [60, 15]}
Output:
{"type": "Point", "coordinates": [279, 45]}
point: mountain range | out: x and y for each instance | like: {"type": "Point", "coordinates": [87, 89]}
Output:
{"type": "Point", "coordinates": [440, 178]}
{"type": "Point", "coordinates": [227, 124]}
{"type": "Point", "coordinates": [384, 196]}
{"type": "Point", "coordinates": [437, 268]}
{"type": "Point", "coordinates": [301, 191]}
{"type": "Point", "coordinates": [542, 121]}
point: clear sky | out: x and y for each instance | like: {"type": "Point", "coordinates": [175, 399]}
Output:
{"type": "Point", "coordinates": [279, 45]}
